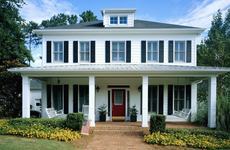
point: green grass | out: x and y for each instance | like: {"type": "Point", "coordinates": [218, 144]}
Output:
{"type": "Point", "coordinates": [18, 143]}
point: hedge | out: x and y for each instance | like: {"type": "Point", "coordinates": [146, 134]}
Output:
{"type": "Point", "coordinates": [157, 123]}
{"type": "Point", "coordinates": [74, 121]}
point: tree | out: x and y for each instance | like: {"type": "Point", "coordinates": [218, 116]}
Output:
{"type": "Point", "coordinates": [12, 41]}
{"type": "Point", "coordinates": [32, 37]}
{"type": "Point", "coordinates": [59, 20]}
{"type": "Point", "coordinates": [87, 16]}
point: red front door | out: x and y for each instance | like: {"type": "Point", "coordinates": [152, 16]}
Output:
{"type": "Point", "coordinates": [118, 104]}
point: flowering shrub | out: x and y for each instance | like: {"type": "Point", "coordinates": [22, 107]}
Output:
{"type": "Point", "coordinates": [38, 130]}
{"type": "Point", "coordinates": [183, 139]}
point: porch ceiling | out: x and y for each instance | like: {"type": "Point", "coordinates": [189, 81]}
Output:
{"type": "Point", "coordinates": [122, 70]}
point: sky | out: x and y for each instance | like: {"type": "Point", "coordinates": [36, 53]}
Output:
{"type": "Point", "coordinates": [197, 13]}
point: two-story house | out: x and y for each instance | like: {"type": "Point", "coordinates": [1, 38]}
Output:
{"type": "Point", "coordinates": [120, 62]}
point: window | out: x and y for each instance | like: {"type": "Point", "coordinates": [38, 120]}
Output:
{"type": "Point", "coordinates": [58, 52]}
{"type": "Point", "coordinates": [152, 51]}
{"type": "Point", "coordinates": [84, 51]}
{"type": "Point", "coordinates": [118, 97]}
{"type": "Point", "coordinates": [83, 96]}
{"type": "Point", "coordinates": [179, 51]}
{"type": "Point", "coordinates": [118, 51]}
{"type": "Point", "coordinates": [123, 20]}
{"type": "Point", "coordinates": [178, 97]}
{"type": "Point", "coordinates": [113, 20]}
{"type": "Point", "coordinates": [152, 99]}
{"type": "Point", "coordinates": [57, 97]}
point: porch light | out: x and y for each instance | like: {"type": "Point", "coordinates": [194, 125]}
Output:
{"type": "Point", "coordinates": [97, 88]}
{"type": "Point", "coordinates": [139, 88]}
{"type": "Point", "coordinates": [58, 81]}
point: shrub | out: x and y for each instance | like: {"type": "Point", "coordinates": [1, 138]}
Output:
{"type": "Point", "coordinates": [35, 113]}
{"type": "Point", "coordinates": [202, 113]}
{"type": "Point", "coordinates": [223, 113]}
{"type": "Point", "coordinates": [157, 123]}
{"type": "Point", "coordinates": [52, 122]}
{"type": "Point", "coordinates": [74, 121]}
{"type": "Point", "coordinates": [214, 133]}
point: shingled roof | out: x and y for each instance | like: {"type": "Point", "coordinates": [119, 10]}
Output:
{"type": "Point", "coordinates": [138, 24]}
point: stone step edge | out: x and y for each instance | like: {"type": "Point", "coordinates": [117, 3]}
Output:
{"type": "Point", "coordinates": [124, 131]}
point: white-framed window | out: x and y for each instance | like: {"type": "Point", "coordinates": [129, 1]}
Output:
{"type": "Point", "coordinates": [118, 51]}
{"type": "Point", "coordinates": [123, 20]}
{"type": "Point", "coordinates": [58, 52]}
{"type": "Point", "coordinates": [179, 51]}
{"type": "Point", "coordinates": [152, 52]}
{"type": "Point", "coordinates": [84, 52]}
{"type": "Point", "coordinates": [179, 95]}
{"type": "Point", "coordinates": [113, 20]}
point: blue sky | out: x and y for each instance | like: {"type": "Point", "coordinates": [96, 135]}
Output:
{"type": "Point", "coordinates": [196, 13]}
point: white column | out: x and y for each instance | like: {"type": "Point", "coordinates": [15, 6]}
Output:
{"type": "Point", "coordinates": [165, 103]}
{"type": "Point", "coordinates": [91, 100]}
{"type": "Point", "coordinates": [44, 99]}
{"type": "Point", "coordinates": [144, 101]}
{"type": "Point", "coordinates": [25, 97]}
{"type": "Point", "coordinates": [193, 101]}
{"type": "Point", "coordinates": [212, 102]}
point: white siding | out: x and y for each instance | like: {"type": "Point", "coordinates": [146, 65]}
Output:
{"type": "Point", "coordinates": [135, 46]}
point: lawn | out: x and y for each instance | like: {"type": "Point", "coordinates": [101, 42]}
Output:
{"type": "Point", "coordinates": [19, 143]}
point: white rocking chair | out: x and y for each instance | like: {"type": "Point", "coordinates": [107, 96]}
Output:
{"type": "Point", "coordinates": [51, 112]}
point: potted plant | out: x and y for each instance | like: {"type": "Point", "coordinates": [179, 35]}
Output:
{"type": "Point", "coordinates": [102, 112]}
{"type": "Point", "coordinates": [133, 113]}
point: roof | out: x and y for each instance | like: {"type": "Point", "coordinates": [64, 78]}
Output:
{"type": "Point", "coordinates": [118, 10]}
{"type": "Point", "coordinates": [122, 68]}
{"type": "Point", "coordinates": [138, 24]}
{"type": "Point", "coordinates": [34, 84]}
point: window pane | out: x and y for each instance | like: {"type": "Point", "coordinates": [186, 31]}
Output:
{"type": "Point", "coordinates": [114, 46]}
{"type": "Point", "coordinates": [113, 20]}
{"type": "Point", "coordinates": [154, 56]}
{"type": "Point", "coordinates": [121, 56]}
{"type": "Point", "coordinates": [181, 46]}
{"type": "Point", "coordinates": [55, 46]}
{"type": "Point", "coordinates": [87, 46]}
{"type": "Point", "coordinates": [114, 56]}
{"type": "Point", "coordinates": [149, 46]}
{"type": "Point", "coordinates": [57, 97]}
{"type": "Point", "coordinates": [121, 46]}
{"type": "Point", "coordinates": [55, 56]}
{"type": "Point", "coordinates": [83, 96]}
{"type": "Point", "coordinates": [181, 56]}
{"type": "Point", "coordinates": [152, 98]}
{"type": "Point", "coordinates": [60, 47]}
{"type": "Point", "coordinates": [123, 20]}
{"type": "Point", "coordinates": [176, 92]}
{"type": "Point", "coordinates": [118, 97]}
{"type": "Point", "coordinates": [176, 56]}
{"type": "Point", "coordinates": [154, 46]}
{"type": "Point", "coordinates": [149, 56]}
{"type": "Point", "coordinates": [82, 46]}
{"type": "Point", "coordinates": [181, 92]}
{"type": "Point", "coordinates": [82, 56]}
{"type": "Point", "coordinates": [60, 56]}
{"type": "Point", "coordinates": [87, 56]}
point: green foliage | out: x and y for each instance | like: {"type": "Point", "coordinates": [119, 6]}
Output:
{"type": "Point", "coordinates": [202, 113]}
{"type": "Point", "coordinates": [214, 133]}
{"type": "Point", "coordinates": [59, 20]}
{"type": "Point", "coordinates": [157, 123]}
{"type": "Point", "coordinates": [87, 16]}
{"type": "Point", "coordinates": [11, 89]}
{"type": "Point", "coordinates": [133, 111]}
{"type": "Point", "coordinates": [12, 41]}
{"type": "Point", "coordinates": [187, 139]}
{"type": "Point", "coordinates": [223, 113]}
{"type": "Point", "coordinates": [74, 121]}
{"type": "Point", "coordinates": [35, 113]}
{"type": "Point", "coordinates": [102, 110]}
{"type": "Point", "coordinates": [51, 122]}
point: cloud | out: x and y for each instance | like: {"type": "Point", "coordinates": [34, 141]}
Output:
{"type": "Point", "coordinates": [36, 63]}
{"type": "Point", "coordinates": [38, 10]}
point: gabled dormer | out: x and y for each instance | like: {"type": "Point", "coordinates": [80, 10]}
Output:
{"type": "Point", "coordinates": [118, 17]}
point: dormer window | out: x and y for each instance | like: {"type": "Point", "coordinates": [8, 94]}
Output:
{"type": "Point", "coordinates": [123, 20]}
{"type": "Point", "coordinates": [113, 20]}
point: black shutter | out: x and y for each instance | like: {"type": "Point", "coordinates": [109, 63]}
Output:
{"type": "Point", "coordinates": [189, 47]}
{"type": "Point", "coordinates": [48, 51]}
{"type": "Point", "coordinates": [170, 52]}
{"type": "Point", "coordinates": [161, 98]}
{"type": "Point", "coordinates": [188, 96]}
{"type": "Point", "coordinates": [170, 99]}
{"type": "Point", "coordinates": [48, 92]}
{"type": "Point", "coordinates": [75, 51]}
{"type": "Point", "coordinates": [161, 51]}
{"type": "Point", "coordinates": [66, 99]}
{"type": "Point", "coordinates": [128, 51]}
{"type": "Point", "coordinates": [92, 51]}
{"type": "Point", "coordinates": [66, 51]}
{"type": "Point", "coordinates": [143, 51]}
{"type": "Point", "coordinates": [107, 51]}
{"type": "Point", "coordinates": [75, 98]}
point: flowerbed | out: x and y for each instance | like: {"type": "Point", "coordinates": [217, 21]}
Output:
{"type": "Point", "coordinates": [187, 139]}
{"type": "Point", "coordinates": [38, 130]}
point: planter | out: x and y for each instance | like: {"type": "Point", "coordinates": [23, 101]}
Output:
{"type": "Point", "coordinates": [102, 118]}
{"type": "Point", "coordinates": [133, 118]}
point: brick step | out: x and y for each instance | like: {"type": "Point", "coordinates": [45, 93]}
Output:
{"type": "Point", "coordinates": [118, 128]}
{"type": "Point", "coordinates": [117, 132]}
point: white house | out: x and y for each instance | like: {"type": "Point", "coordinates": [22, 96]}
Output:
{"type": "Point", "coordinates": [120, 62]}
